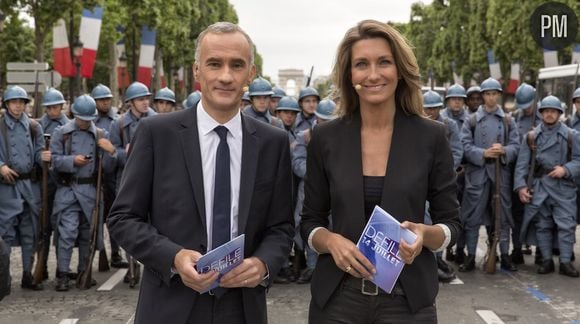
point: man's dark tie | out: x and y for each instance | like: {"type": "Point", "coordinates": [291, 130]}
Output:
{"type": "Point", "coordinates": [221, 194]}
{"type": "Point", "coordinates": [221, 197]}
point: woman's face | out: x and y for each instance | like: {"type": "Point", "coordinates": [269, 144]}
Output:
{"type": "Point", "coordinates": [373, 68]}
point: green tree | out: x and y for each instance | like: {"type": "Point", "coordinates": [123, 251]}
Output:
{"type": "Point", "coordinates": [16, 45]}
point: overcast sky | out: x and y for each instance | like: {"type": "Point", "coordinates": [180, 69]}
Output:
{"type": "Point", "coordinates": [302, 33]}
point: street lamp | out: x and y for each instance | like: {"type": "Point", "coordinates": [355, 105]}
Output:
{"type": "Point", "coordinates": [123, 67]}
{"type": "Point", "coordinates": [78, 53]}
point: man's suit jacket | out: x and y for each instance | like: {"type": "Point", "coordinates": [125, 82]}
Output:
{"type": "Point", "coordinates": [160, 209]}
{"type": "Point", "coordinates": [420, 168]}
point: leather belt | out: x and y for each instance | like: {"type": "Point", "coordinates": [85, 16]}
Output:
{"type": "Point", "coordinates": [367, 287]}
{"type": "Point", "coordinates": [76, 180]}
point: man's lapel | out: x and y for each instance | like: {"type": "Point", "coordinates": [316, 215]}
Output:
{"type": "Point", "coordinates": [192, 156]}
{"type": "Point", "coordinates": [250, 146]}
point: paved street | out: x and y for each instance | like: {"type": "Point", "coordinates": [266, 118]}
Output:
{"type": "Point", "coordinates": [521, 297]}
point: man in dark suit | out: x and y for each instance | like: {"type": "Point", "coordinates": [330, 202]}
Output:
{"type": "Point", "coordinates": [173, 195]}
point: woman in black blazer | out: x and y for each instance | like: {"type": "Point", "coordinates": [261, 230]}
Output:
{"type": "Point", "coordinates": [380, 151]}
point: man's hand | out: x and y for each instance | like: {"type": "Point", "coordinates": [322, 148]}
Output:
{"type": "Point", "coordinates": [525, 196]}
{"type": "Point", "coordinates": [80, 161]}
{"type": "Point", "coordinates": [249, 273]}
{"type": "Point", "coordinates": [106, 145]}
{"type": "Point", "coordinates": [184, 263]}
{"type": "Point", "coordinates": [558, 172]}
{"type": "Point", "coordinates": [46, 156]}
{"type": "Point", "coordinates": [495, 151]}
{"type": "Point", "coordinates": [8, 174]}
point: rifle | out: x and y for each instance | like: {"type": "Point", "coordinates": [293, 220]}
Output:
{"type": "Point", "coordinates": [36, 98]}
{"type": "Point", "coordinates": [85, 277]}
{"type": "Point", "coordinates": [43, 233]}
{"type": "Point", "coordinates": [103, 261]}
{"type": "Point", "coordinates": [490, 264]}
{"type": "Point", "coordinates": [309, 76]}
{"type": "Point", "coordinates": [530, 180]}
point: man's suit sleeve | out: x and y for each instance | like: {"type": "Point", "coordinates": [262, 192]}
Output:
{"type": "Point", "coordinates": [276, 242]}
{"type": "Point", "coordinates": [128, 221]}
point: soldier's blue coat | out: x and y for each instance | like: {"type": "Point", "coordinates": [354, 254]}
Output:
{"type": "Point", "coordinates": [265, 117]}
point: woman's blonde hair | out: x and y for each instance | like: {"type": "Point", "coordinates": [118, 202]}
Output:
{"type": "Point", "coordinates": [408, 92]}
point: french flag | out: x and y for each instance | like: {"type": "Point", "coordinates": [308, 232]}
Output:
{"type": "Point", "coordinates": [514, 78]}
{"type": "Point", "coordinates": [494, 67]}
{"type": "Point", "coordinates": [162, 73]}
{"type": "Point", "coordinates": [61, 50]}
{"type": "Point", "coordinates": [146, 56]}
{"type": "Point", "coordinates": [550, 58]}
{"type": "Point", "coordinates": [576, 54]}
{"type": "Point", "coordinates": [91, 22]}
{"type": "Point", "coordinates": [122, 71]}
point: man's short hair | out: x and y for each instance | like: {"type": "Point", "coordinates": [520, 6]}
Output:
{"type": "Point", "coordinates": [223, 27]}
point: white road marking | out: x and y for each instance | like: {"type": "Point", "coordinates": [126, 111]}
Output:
{"type": "Point", "coordinates": [489, 317]}
{"type": "Point", "coordinates": [69, 321]}
{"type": "Point", "coordinates": [456, 281]}
{"type": "Point", "coordinates": [131, 319]}
{"type": "Point", "coordinates": [113, 280]}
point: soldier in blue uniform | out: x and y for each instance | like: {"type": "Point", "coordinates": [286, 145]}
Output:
{"type": "Point", "coordinates": [105, 117]}
{"type": "Point", "coordinates": [473, 99]}
{"type": "Point", "coordinates": [77, 149]}
{"type": "Point", "coordinates": [523, 116]}
{"type": "Point", "coordinates": [21, 146]}
{"type": "Point", "coordinates": [456, 111]}
{"type": "Point", "coordinates": [308, 99]}
{"type": "Point", "coordinates": [432, 104]}
{"type": "Point", "coordinates": [552, 203]}
{"type": "Point", "coordinates": [53, 102]}
{"type": "Point", "coordinates": [245, 100]}
{"type": "Point", "coordinates": [287, 110]}
{"type": "Point", "coordinates": [260, 94]}
{"type": "Point", "coordinates": [574, 122]}
{"type": "Point", "coordinates": [192, 100]}
{"type": "Point", "coordinates": [324, 112]}
{"type": "Point", "coordinates": [275, 99]}
{"type": "Point", "coordinates": [164, 101]}
{"type": "Point", "coordinates": [488, 135]}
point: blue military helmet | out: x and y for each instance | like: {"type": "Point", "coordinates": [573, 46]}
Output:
{"type": "Point", "coordinates": [260, 87]}
{"type": "Point", "coordinates": [85, 108]}
{"type": "Point", "coordinates": [136, 90]}
{"type": "Point", "coordinates": [432, 99]}
{"type": "Point", "coordinates": [473, 89]}
{"type": "Point", "coordinates": [101, 91]}
{"type": "Point", "coordinates": [165, 94]}
{"type": "Point", "coordinates": [15, 92]}
{"type": "Point", "coordinates": [192, 100]}
{"type": "Point", "coordinates": [278, 92]}
{"type": "Point", "coordinates": [525, 95]}
{"type": "Point", "coordinates": [325, 109]}
{"type": "Point", "coordinates": [288, 104]}
{"type": "Point", "coordinates": [52, 97]}
{"type": "Point", "coordinates": [490, 84]}
{"type": "Point", "coordinates": [455, 91]}
{"type": "Point", "coordinates": [551, 102]}
{"type": "Point", "coordinates": [576, 94]}
{"type": "Point", "coordinates": [246, 96]}
{"type": "Point", "coordinates": [308, 91]}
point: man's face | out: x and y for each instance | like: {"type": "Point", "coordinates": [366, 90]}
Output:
{"type": "Point", "coordinates": [309, 104]}
{"type": "Point", "coordinates": [274, 103]}
{"type": "Point", "coordinates": [432, 113]}
{"type": "Point", "coordinates": [16, 107]}
{"type": "Point", "coordinates": [104, 105]}
{"type": "Point", "coordinates": [474, 100]}
{"type": "Point", "coordinates": [576, 103]}
{"type": "Point", "coordinates": [163, 106]}
{"type": "Point", "coordinates": [53, 112]}
{"type": "Point", "coordinates": [261, 103]}
{"type": "Point", "coordinates": [82, 124]}
{"type": "Point", "coordinates": [223, 69]}
{"type": "Point", "coordinates": [288, 117]}
{"type": "Point", "coordinates": [140, 105]}
{"type": "Point", "coordinates": [550, 116]}
{"type": "Point", "coordinates": [490, 98]}
{"type": "Point", "coordinates": [455, 104]}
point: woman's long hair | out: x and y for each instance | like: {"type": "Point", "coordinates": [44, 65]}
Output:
{"type": "Point", "coordinates": [408, 92]}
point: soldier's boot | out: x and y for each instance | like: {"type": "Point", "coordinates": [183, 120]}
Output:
{"type": "Point", "coordinates": [444, 272]}
{"type": "Point", "coordinates": [117, 260]}
{"type": "Point", "coordinates": [27, 282]}
{"type": "Point", "coordinates": [517, 256]}
{"type": "Point", "coordinates": [568, 269]}
{"type": "Point", "coordinates": [449, 256]}
{"type": "Point", "coordinates": [469, 264]}
{"type": "Point", "coordinates": [62, 283]}
{"type": "Point", "coordinates": [507, 264]}
{"type": "Point", "coordinates": [538, 259]}
{"type": "Point", "coordinates": [459, 256]}
{"type": "Point", "coordinates": [546, 267]}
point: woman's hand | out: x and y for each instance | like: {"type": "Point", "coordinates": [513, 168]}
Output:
{"type": "Point", "coordinates": [348, 257]}
{"type": "Point", "coordinates": [408, 251]}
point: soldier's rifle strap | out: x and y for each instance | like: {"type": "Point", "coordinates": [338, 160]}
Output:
{"type": "Point", "coordinates": [507, 123]}
{"type": "Point", "coordinates": [531, 140]}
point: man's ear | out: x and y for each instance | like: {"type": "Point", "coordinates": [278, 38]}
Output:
{"type": "Point", "coordinates": [195, 70]}
{"type": "Point", "coordinates": [252, 74]}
